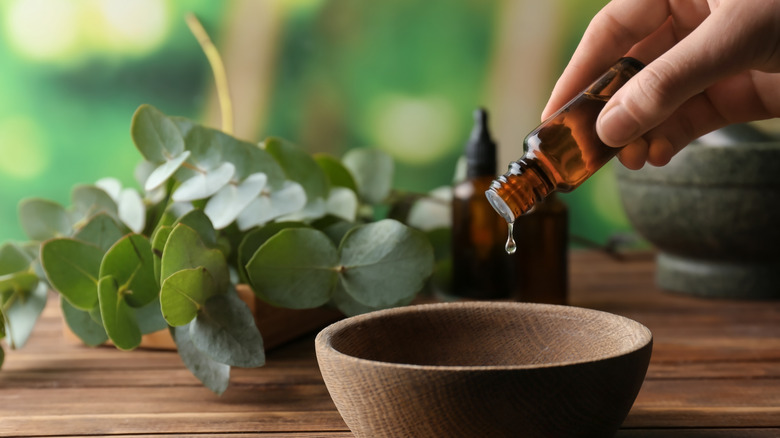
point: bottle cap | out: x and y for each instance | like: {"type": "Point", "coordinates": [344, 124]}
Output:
{"type": "Point", "coordinates": [480, 148]}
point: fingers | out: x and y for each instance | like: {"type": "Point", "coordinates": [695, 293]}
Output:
{"type": "Point", "coordinates": [610, 35]}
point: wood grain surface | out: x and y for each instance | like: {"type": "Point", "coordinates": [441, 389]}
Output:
{"type": "Point", "coordinates": [715, 372]}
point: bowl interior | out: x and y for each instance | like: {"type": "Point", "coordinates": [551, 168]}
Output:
{"type": "Point", "coordinates": [478, 334]}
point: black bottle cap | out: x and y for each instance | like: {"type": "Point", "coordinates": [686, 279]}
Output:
{"type": "Point", "coordinates": [480, 149]}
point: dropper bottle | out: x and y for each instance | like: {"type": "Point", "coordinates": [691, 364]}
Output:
{"type": "Point", "coordinates": [562, 152]}
{"type": "Point", "coordinates": [480, 269]}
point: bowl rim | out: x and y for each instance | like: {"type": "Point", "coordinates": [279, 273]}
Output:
{"type": "Point", "coordinates": [324, 339]}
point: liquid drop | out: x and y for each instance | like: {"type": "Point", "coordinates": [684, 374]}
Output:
{"type": "Point", "coordinates": [510, 246]}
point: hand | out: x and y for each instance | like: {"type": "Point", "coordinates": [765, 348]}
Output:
{"type": "Point", "coordinates": [710, 63]}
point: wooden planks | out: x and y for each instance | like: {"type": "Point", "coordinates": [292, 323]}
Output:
{"type": "Point", "coordinates": [715, 372]}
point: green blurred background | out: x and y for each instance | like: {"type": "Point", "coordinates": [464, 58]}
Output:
{"type": "Point", "coordinates": [402, 75]}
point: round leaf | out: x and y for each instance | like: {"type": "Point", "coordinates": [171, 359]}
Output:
{"type": "Point", "coordinates": [338, 175]}
{"type": "Point", "coordinates": [384, 262]}
{"type": "Point", "coordinates": [214, 375]}
{"type": "Point", "coordinates": [91, 200]}
{"type": "Point", "coordinates": [225, 330]}
{"type": "Point", "coordinates": [129, 262]}
{"type": "Point", "coordinates": [24, 313]}
{"type": "Point", "coordinates": [300, 167]}
{"type": "Point", "coordinates": [269, 206]}
{"type": "Point", "coordinates": [164, 171]}
{"type": "Point", "coordinates": [13, 259]}
{"type": "Point", "coordinates": [42, 219]}
{"type": "Point", "coordinates": [184, 293]}
{"type": "Point", "coordinates": [198, 221]}
{"type": "Point", "coordinates": [82, 325]}
{"type": "Point", "coordinates": [72, 268]}
{"type": "Point", "coordinates": [101, 231]}
{"type": "Point", "coordinates": [342, 203]}
{"type": "Point", "coordinates": [296, 268]}
{"type": "Point", "coordinates": [225, 206]}
{"type": "Point", "coordinates": [155, 135]}
{"type": "Point", "coordinates": [185, 250]}
{"type": "Point", "coordinates": [249, 158]}
{"type": "Point", "coordinates": [204, 184]}
{"type": "Point", "coordinates": [132, 210]}
{"type": "Point", "coordinates": [150, 317]}
{"type": "Point", "coordinates": [373, 172]}
{"type": "Point", "coordinates": [118, 318]}
{"type": "Point", "coordinates": [254, 240]}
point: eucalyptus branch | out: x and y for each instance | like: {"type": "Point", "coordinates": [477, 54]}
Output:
{"type": "Point", "coordinates": [217, 67]}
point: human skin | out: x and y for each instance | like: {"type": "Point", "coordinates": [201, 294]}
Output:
{"type": "Point", "coordinates": [709, 63]}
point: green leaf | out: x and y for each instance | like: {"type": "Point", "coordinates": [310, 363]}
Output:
{"type": "Point", "coordinates": [72, 268]}
{"type": "Point", "coordinates": [23, 313]}
{"type": "Point", "coordinates": [13, 259]}
{"type": "Point", "coordinates": [159, 239]}
{"type": "Point", "coordinates": [165, 171]}
{"type": "Point", "coordinates": [186, 250]}
{"type": "Point", "coordinates": [130, 263]}
{"type": "Point", "coordinates": [118, 318]}
{"type": "Point", "coordinates": [384, 262]}
{"type": "Point", "coordinates": [155, 135]}
{"type": "Point", "coordinates": [225, 330]}
{"type": "Point", "coordinates": [254, 240]}
{"type": "Point", "coordinates": [373, 172]}
{"type": "Point", "coordinates": [83, 325]}
{"type": "Point", "coordinates": [184, 293]}
{"type": "Point", "coordinates": [42, 219]}
{"type": "Point", "coordinates": [249, 158]}
{"type": "Point", "coordinates": [214, 375]}
{"type": "Point", "coordinates": [300, 167]}
{"type": "Point", "coordinates": [343, 203]}
{"type": "Point", "coordinates": [205, 183]}
{"type": "Point", "coordinates": [198, 221]}
{"type": "Point", "coordinates": [296, 268]}
{"type": "Point", "coordinates": [18, 281]}
{"type": "Point", "coordinates": [90, 200]}
{"type": "Point", "coordinates": [351, 307]}
{"type": "Point", "coordinates": [290, 198]}
{"type": "Point", "coordinates": [150, 317]}
{"type": "Point", "coordinates": [337, 173]}
{"type": "Point", "coordinates": [101, 231]}
{"type": "Point", "coordinates": [225, 206]}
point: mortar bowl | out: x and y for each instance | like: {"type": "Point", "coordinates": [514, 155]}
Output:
{"type": "Point", "coordinates": [484, 369]}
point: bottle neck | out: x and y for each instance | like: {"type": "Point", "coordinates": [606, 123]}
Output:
{"type": "Point", "coordinates": [517, 191]}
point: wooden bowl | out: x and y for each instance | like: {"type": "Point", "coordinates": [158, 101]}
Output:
{"type": "Point", "coordinates": [484, 369]}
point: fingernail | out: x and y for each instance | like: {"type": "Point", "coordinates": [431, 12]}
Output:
{"type": "Point", "coordinates": [617, 127]}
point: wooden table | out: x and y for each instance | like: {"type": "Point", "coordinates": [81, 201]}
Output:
{"type": "Point", "coordinates": [715, 372]}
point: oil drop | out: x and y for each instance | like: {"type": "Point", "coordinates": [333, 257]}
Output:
{"type": "Point", "coordinates": [510, 246]}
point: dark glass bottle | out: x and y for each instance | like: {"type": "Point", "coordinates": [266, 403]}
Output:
{"type": "Point", "coordinates": [479, 263]}
{"type": "Point", "coordinates": [541, 272]}
{"type": "Point", "coordinates": [563, 151]}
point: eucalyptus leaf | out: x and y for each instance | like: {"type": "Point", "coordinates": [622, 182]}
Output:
{"type": "Point", "coordinates": [42, 219]}
{"type": "Point", "coordinates": [225, 206]}
{"type": "Point", "coordinates": [185, 250]}
{"type": "Point", "coordinates": [83, 325]}
{"type": "Point", "coordinates": [184, 293]}
{"type": "Point", "coordinates": [342, 203]}
{"type": "Point", "coordinates": [118, 318]}
{"type": "Point", "coordinates": [269, 206]}
{"type": "Point", "coordinates": [18, 281]}
{"type": "Point", "coordinates": [164, 171]}
{"type": "Point", "coordinates": [384, 262]}
{"type": "Point", "coordinates": [112, 187]}
{"type": "Point", "coordinates": [13, 259]}
{"type": "Point", "coordinates": [72, 268]}
{"type": "Point", "coordinates": [101, 231]}
{"type": "Point", "coordinates": [132, 210]}
{"type": "Point", "coordinates": [335, 228]}
{"type": "Point", "coordinates": [373, 172]}
{"type": "Point", "coordinates": [347, 305]}
{"type": "Point", "coordinates": [300, 167]}
{"type": "Point", "coordinates": [296, 268]}
{"type": "Point", "coordinates": [159, 239]}
{"type": "Point", "coordinates": [338, 175]}
{"type": "Point", "coordinates": [155, 135]}
{"type": "Point", "coordinates": [254, 240]}
{"type": "Point", "coordinates": [150, 317]}
{"type": "Point", "coordinates": [198, 221]}
{"type": "Point", "coordinates": [432, 212]}
{"type": "Point", "coordinates": [214, 375]}
{"type": "Point", "coordinates": [250, 158]}
{"type": "Point", "coordinates": [205, 183]}
{"type": "Point", "coordinates": [91, 200]}
{"type": "Point", "coordinates": [23, 313]}
{"type": "Point", "coordinates": [225, 330]}
{"type": "Point", "coordinates": [129, 262]}
{"type": "Point", "coordinates": [202, 142]}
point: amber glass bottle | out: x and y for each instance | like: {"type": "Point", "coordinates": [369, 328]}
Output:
{"type": "Point", "coordinates": [479, 263]}
{"type": "Point", "coordinates": [540, 274]}
{"type": "Point", "coordinates": [563, 151]}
